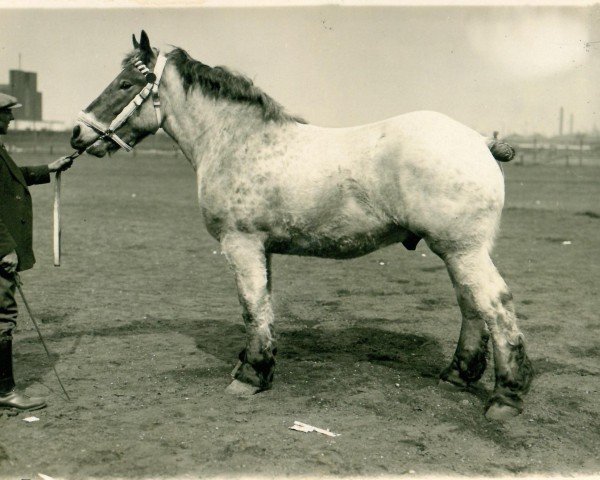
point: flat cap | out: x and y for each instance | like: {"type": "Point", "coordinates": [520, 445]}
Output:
{"type": "Point", "coordinates": [8, 101]}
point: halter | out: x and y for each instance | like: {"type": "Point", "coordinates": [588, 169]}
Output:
{"type": "Point", "coordinates": [153, 79]}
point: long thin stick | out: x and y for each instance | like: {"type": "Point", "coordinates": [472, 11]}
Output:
{"type": "Point", "coordinates": [56, 232]}
{"type": "Point", "coordinates": [18, 282]}
{"type": "Point", "coordinates": [56, 223]}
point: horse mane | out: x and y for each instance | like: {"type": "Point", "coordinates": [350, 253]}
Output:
{"type": "Point", "coordinates": [221, 83]}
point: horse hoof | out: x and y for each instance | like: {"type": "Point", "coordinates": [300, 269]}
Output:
{"type": "Point", "coordinates": [241, 389]}
{"type": "Point", "coordinates": [501, 413]}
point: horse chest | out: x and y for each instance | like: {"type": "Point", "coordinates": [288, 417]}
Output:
{"type": "Point", "coordinates": [234, 201]}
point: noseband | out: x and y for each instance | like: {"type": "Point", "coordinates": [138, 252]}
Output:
{"type": "Point", "coordinates": [153, 79]}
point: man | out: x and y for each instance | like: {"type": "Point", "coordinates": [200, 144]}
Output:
{"type": "Point", "coordinates": [16, 252]}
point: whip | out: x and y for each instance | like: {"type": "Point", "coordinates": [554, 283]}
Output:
{"type": "Point", "coordinates": [57, 232]}
{"type": "Point", "coordinates": [18, 282]}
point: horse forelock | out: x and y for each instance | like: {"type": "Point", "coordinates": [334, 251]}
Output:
{"type": "Point", "coordinates": [134, 56]}
{"type": "Point", "coordinates": [221, 83]}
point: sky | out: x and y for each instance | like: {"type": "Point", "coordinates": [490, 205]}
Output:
{"type": "Point", "coordinates": [508, 68]}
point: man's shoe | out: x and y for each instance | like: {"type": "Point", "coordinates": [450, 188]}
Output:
{"type": "Point", "coordinates": [20, 401]}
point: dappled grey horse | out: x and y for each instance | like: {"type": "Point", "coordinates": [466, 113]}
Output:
{"type": "Point", "coordinates": [270, 183]}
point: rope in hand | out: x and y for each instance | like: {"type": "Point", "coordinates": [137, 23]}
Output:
{"type": "Point", "coordinates": [56, 214]}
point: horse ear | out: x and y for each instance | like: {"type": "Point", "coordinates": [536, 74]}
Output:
{"type": "Point", "coordinates": [136, 44]}
{"type": "Point", "coordinates": [145, 42]}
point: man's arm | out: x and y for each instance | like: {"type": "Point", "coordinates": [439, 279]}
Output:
{"type": "Point", "coordinates": [36, 175]}
{"type": "Point", "coordinates": [41, 173]}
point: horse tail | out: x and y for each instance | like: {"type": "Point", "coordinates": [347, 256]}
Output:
{"type": "Point", "coordinates": [503, 152]}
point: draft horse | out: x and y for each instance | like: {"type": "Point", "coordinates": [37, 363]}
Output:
{"type": "Point", "coordinates": [269, 183]}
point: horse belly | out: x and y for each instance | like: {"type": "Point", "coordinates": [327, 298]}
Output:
{"type": "Point", "coordinates": [344, 224]}
{"type": "Point", "coordinates": [337, 246]}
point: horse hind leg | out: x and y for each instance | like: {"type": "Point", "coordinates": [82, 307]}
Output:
{"type": "Point", "coordinates": [471, 356]}
{"type": "Point", "coordinates": [251, 266]}
{"type": "Point", "coordinates": [486, 306]}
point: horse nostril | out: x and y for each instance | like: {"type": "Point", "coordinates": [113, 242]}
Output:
{"type": "Point", "coordinates": [76, 131]}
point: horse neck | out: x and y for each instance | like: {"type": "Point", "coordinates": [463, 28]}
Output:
{"type": "Point", "coordinates": [204, 127]}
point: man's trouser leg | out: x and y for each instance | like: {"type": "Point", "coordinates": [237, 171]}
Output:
{"type": "Point", "coordinates": [8, 304]}
{"type": "Point", "coordinates": [8, 320]}
{"type": "Point", "coordinates": [9, 397]}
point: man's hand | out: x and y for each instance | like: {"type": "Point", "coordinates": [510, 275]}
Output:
{"type": "Point", "coordinates": [60, 164]}
{"type": "Point", "coordinates": [9, 262]}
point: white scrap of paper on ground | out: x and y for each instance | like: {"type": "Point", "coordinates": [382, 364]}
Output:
{"type": "Point", "coordinates": [45, 477]}
{"type": "Point", "coordinates": [303, 427]}
{"type": "Point", "coordinates": [567, 242]}
{"type": "Point", "coordinates": [31, 419]}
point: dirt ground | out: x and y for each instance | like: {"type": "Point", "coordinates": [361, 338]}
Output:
{"type": "Point", "coordinates": [144, 325]}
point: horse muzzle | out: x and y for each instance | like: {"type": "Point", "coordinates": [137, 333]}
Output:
{"type": "Point", "coordinates": [83, 136]}
{"type": "Point", "coordinates": [86, 138]}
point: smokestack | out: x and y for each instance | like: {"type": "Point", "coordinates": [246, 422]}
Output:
{"type": "Point", "coordinates": [560, 121]}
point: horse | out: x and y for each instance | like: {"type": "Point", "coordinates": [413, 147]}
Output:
{"type": "Point", "coordinates": [271, 183]}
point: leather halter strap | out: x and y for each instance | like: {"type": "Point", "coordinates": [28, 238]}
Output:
{"type": "Point", "coordinates": [151, 87]}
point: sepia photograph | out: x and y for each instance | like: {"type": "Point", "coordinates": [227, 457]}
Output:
{"type": "Point", "coordinates": [299, 239]}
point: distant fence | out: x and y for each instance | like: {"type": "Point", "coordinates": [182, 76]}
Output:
{"type": "Point", "coordinates": [566, 155]}
{"type": "Point", "coordinates": [568, 150]}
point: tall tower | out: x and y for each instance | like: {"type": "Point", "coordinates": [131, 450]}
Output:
{"type": "Point", "coordinates": [23, 85]}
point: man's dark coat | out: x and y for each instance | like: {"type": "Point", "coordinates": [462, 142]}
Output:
{"type": "Point", "coordinates": [16, 214]}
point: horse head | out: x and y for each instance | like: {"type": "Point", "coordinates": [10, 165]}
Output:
{"type": "Point", "coordinates": [119, 116]}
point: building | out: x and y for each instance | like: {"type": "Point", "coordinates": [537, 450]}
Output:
{"type": "Point", "coordinates": [23, 85]}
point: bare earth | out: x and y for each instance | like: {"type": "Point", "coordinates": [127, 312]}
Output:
{"type": "Point", "coordinates": [144, 325]}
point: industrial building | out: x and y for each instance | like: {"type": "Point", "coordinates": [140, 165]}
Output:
{"type": "Point", "coordinates": [23, 85]}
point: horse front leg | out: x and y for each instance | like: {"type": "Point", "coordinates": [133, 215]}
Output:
{"type": "Point", "coordinates": [246, 255]}
{"type": "Point", "coordinates": [485, 301]}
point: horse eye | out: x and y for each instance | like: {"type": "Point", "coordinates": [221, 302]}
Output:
{"type": "Point", "coordinates": [125, 85]}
